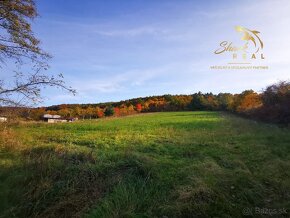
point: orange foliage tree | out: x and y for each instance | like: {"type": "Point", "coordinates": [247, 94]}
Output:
{"type": "Point", "coordinates": [138, 107]}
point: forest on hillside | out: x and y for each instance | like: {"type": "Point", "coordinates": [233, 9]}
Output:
{"type": "Point", "coordinates": [272, 105]}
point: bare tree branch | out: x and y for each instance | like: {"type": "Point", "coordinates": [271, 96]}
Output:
{"type": "Point", "coordinates": [17, 42]}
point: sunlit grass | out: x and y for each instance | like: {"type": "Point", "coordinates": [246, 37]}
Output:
{"type": "Point", "coordinates": [178, 164]}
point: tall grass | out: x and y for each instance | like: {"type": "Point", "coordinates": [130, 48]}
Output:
{"type": "Point", "coordinates": [179, 164]}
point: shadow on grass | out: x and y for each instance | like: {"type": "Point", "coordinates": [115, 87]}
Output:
{"type": "Point", "coordinates": [46, 183]}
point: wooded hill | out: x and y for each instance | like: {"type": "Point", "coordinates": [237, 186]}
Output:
{"type": "Point", "coordinates": [272, 105]}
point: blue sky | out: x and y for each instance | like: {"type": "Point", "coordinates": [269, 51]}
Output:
{"type": "Point", "coordinates": [114, 50]}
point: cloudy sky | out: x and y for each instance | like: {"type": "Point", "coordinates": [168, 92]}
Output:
{"type": "Point", "coordinates": [112, 50]}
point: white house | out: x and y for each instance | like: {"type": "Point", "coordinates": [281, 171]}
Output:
{"type": "Point", "coordinates": [53, 118]}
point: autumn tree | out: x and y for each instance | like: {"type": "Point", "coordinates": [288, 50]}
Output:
{"type": "Point", "coordinates": [64, 112]}
{"type": "Point", "coordinates": [277, 94]}
{"type": "Point", "coordinates": [82, 113]}
{"type": "Point", "coordinates": [117, 111]}
{"type": "Point", "coordinates": [276, 103]}
{"type": "Point", "coordinates": [99, 112]}
{"type": "Point", "coordinates": [139, 107]}
{"type": "Point", "coordinates": [248, 100]}
{"type": "Point", "coordinates": [77, 111]}
{"type": "Point", "coordinates": [37, 113]}
{"type": "Point", "coordinates": [90, 112]}
{"type": "Point", "coordinates": [18, 43]}
{"type": "Point", "coordinates": [130, 109]}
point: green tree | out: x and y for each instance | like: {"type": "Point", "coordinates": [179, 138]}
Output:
{"type": "Point", "coordinates": [225, 101]}
{"type": "Point", "coordinates": [198, 101]}
{"type": "Point", "coordinates": [109, 111]}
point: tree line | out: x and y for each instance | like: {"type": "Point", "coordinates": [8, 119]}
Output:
{"type": "Point", "coordinates": [271, 105]}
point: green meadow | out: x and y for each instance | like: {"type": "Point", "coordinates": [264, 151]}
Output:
{"type": "Point", "coordinates": [173, 164]}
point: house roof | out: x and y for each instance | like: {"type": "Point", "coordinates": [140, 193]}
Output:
{"type": "Point", "coordinates": [49, 116]}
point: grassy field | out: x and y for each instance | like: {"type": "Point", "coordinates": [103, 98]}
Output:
{"type": "Point", "coordinates": [178, 164]}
